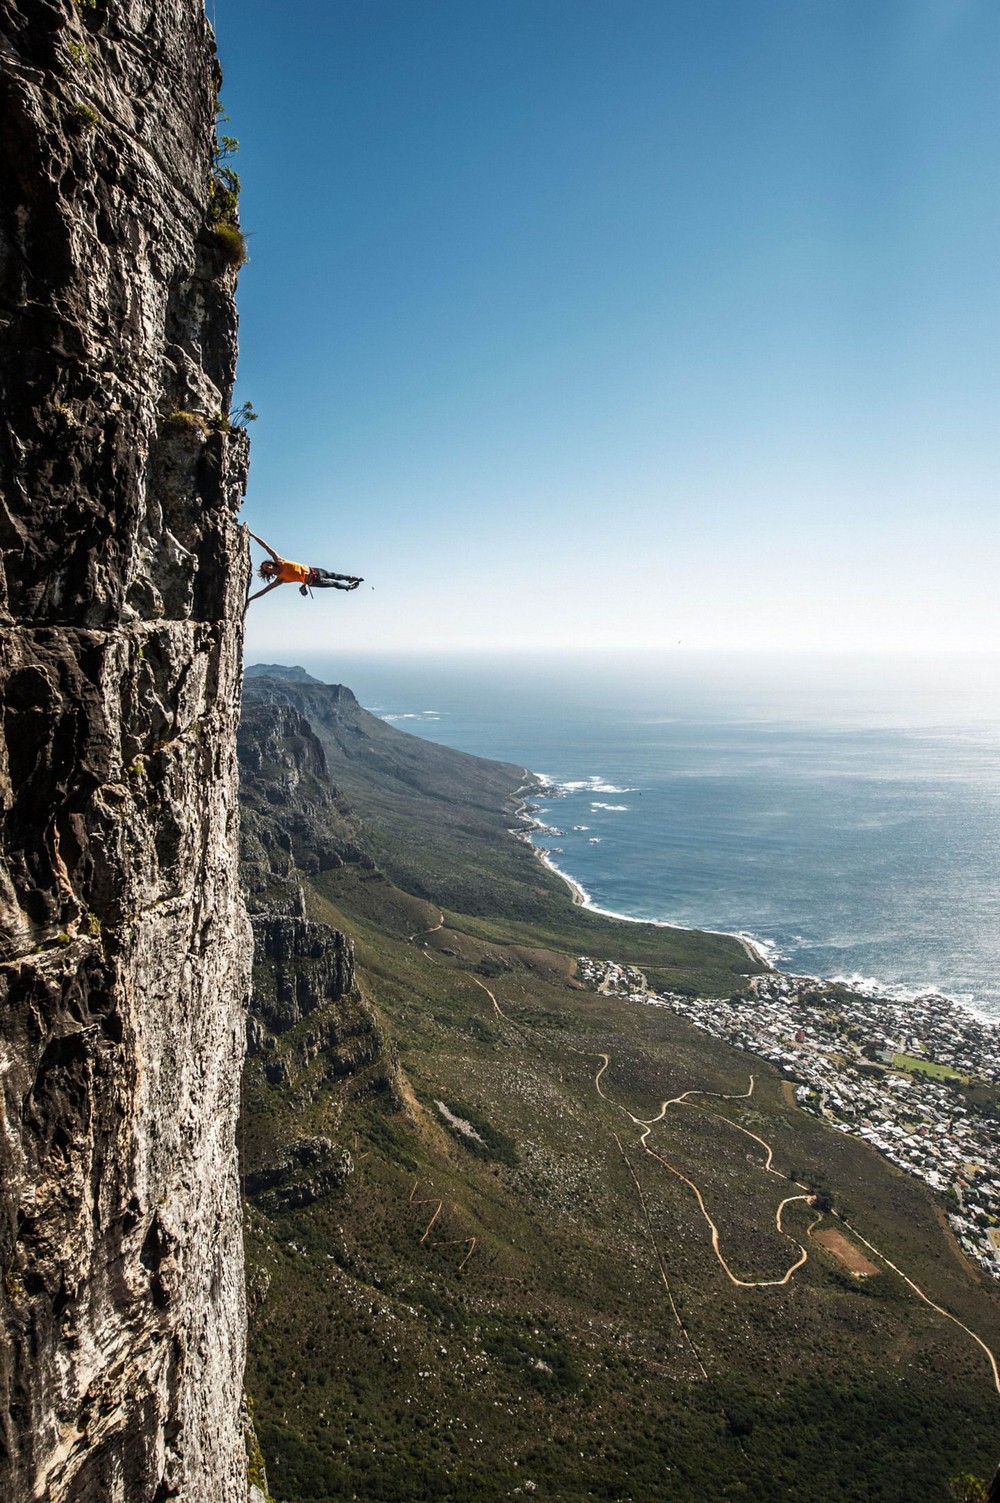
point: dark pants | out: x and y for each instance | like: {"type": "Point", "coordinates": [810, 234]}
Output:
{"type": "Point", "coordinates": [322, 579]}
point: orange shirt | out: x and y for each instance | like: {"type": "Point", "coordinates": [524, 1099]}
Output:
{"type": "Point", "coordinates": [290, 573]}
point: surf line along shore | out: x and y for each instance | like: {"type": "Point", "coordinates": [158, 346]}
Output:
{"type": "Point", "coordinates": [535, 786]}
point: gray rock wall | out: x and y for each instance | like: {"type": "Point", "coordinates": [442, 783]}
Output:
{"type": "Point", "coordinates": [305, 965]}
{"type": "Point", "coordinates": [124, 947]}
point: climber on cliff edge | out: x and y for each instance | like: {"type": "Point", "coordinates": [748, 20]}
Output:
{"type": "Point", "coordinates": [278, 571]}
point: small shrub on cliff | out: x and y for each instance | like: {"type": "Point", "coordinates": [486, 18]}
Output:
{"type": "Point", "coordinates": [224, 198]}
{"type": "Point", "coordinates": [240, 416]}
{"type": "Point", "coordinates": [81, 117]}
{"type": "Point", "coordinates": [224, 190]}
{"type": "Point", "coordinates": [79, 53]}
{"type": "Point", "coordinates": [229, 240]}
{"type": "Point", "coordinates": [235, 420]}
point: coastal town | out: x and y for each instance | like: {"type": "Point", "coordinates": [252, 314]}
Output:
{"type": "Point", "coordinates": [918, 1080]}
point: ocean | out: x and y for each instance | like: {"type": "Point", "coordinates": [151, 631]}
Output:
{"type": "Point", "coordinates": [843, 814]}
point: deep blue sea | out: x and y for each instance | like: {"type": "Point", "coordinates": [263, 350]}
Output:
{"type": "Point", "coordinates": [845, 814]}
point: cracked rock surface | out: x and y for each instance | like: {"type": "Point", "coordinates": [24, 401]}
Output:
{"type": "Point", "coordinates": [124, 945]}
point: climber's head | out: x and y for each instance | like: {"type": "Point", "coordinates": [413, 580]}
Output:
{"type": "Point", "coordinates": [268, 569]}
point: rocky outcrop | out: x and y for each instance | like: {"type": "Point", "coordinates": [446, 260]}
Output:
{"type": "Point", "coordinates": [294, 819]}
{"type": "Point", "coordinates": [299, 966]}
{"type": "Point", "coordinates": [309, 1169]}
{"type": "Point", "coordinates": [295, 826]}
{"type": "Point", "coordinates": [124, 945]}
{"type": "Point", "coordinates": [305, 1014]}
{"type": "Point", "coordinates": [314, 1040]}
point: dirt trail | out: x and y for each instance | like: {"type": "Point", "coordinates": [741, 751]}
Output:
{"type": "Point", "coordinates": [426, 1202]}
{"type": "Point", "coordinates": [676, 1101]}
{"type": "Point", "coordinates": [793, 1268]}
{"type": "Point", "coordinates": [747, 1133]}
{"type": "Point", "coordinates": [469, 1242]}
{"type": "Point", "coordinates": [433, 929]}
{"type": "Point", "coordinates": [659, 1259]}
{"type": "Point", "coordinates": [928, 1301]}
{"type": "Point", "coordinates": [496, 1004]}
{"type": "Point", "coordinates": [647, 1125]}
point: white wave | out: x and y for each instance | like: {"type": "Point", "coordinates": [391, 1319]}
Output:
{"type": "Point", "coordinates": [594, 784]}
{"type": "Point", "coordinates": [614, 808]}
{"type": "Point", "coordinates": [897, 991]}
{"type": "Point", "coordinates": [767, 949]}
{"type": "Point", "coordinates": [408, 715]}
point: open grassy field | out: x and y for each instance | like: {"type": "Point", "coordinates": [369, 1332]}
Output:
{"type": "Point", "coordinates": [574, 1256]}
{"type": "Point", "coordinates": [911, 1062]}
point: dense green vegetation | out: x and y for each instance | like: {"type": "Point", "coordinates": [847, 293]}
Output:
{"type": "Point", "coordinates": [459, 1319]}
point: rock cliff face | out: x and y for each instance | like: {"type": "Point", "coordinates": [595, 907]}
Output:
{"type": "Point", "coordinates": [294, 827]}
{"type": "Point", "coordinates": [314, 1040]}
{"type": "Point", "coordinates": [124, 944]}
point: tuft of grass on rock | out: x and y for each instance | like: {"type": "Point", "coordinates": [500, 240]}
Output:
{"type": "Point", "coordinates": [81, 117]}
{"type": "Point", "coordinates": [181, 423]}
{"type": "Point", "coordinates": [231, 243]}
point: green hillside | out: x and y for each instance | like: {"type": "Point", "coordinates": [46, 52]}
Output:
{"type": "Point", "coordinates": [473, 1272]}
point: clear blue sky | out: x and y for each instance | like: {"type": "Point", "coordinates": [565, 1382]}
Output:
{"type": "Point", "coordinates": [622, 322]}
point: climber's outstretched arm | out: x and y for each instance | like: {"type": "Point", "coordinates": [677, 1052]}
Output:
{"type": "Point", "coordinates": [272, 586]}
{"type": "Point", "coordinates": [267, 549]}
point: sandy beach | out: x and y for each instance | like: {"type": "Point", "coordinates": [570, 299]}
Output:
{"type": "Point", "coordinates": [580, 897]}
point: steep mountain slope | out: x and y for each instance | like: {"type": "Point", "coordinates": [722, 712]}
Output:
{"type": "Point", "coordinates": [438, 822]}
{"type": "Point", "coordinates": [479, 1254]}
{"type": "Point", "coordinates": [123, 938]}
{"type": "Point", "coordinates": [402, 787]}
